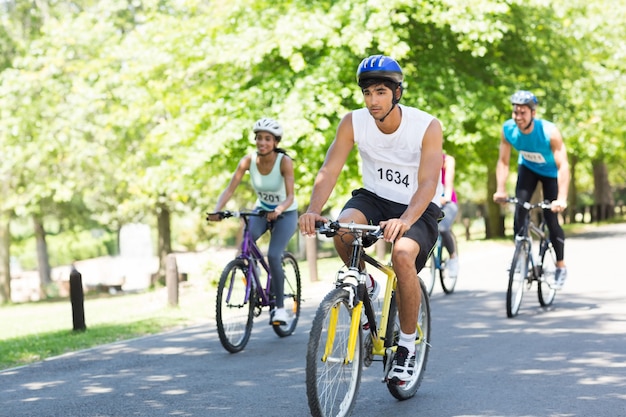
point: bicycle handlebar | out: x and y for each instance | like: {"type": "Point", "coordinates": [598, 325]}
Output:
{"type": "Point", "coordinates": [331, 228]}
{"type": "Point", "coordinates": [225, 214]}
{"type": "Point", "coordinates": [546, 205]}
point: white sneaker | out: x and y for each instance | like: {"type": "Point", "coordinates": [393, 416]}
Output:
{"type": "Point", "coordinates": [280, 317]}
{"type": "Point", "coordinates": [453, 266]}
{"type": "Point", "coordinates": [559, 277]}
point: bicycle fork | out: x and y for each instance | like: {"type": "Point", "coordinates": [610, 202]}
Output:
{"type": "Point", "coordinates": [355, 324]}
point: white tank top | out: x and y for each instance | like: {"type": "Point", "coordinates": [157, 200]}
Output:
{"type": "Point", "coordinates": [390, 162]}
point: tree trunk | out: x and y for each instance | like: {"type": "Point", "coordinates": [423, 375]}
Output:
{"type": "Point", "coordinates": [43, 260]}
{"type": "Point", "coordinates": [494, 219]}
{"type": "Point", "coordinates": [165, 237]}
{"type": "Point", "coordinates": [602, 193]}
{"type": "Point", "coordinates": [5, 259]}
{"type": "Point", "coordinates": [572, 195]}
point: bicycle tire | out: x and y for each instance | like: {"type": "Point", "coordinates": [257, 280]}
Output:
{"type": "Point", "coordinates": [332, 385]}
{"type": "Point", "coordinates": [447, 282]}
{"type": "Point", "coordinates": [292, 294]}
{"type": "Point", "coordinates": [545, 292]}
{"type": "Point", "coordinates": [422, 348]}
{"type": "Point", "coordinates": [431, 276]}
{"type": "Point", "coordinates": [517, 279]}
{"type": "Point", "coordinates": [233, 313]}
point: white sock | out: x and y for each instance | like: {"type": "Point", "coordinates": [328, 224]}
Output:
{"type": "Point", "coordinates": [408, 341]}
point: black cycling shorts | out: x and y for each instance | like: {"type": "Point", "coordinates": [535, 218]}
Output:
{"type": "Point", "coordinates": [376, 209]}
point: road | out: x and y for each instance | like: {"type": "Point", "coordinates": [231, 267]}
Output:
{"type": "Point", "coordinates": [565, 361]}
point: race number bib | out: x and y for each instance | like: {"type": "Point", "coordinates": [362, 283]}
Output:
{"type": "Point", "coordinates": [394, 182]}
{"type": "Point", "coordinates": [271, 199]}
{"type": "Point", "coordinates": [535, 157]}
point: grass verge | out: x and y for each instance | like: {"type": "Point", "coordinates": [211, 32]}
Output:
{"type": "Point", "coordinates": [32, 332]}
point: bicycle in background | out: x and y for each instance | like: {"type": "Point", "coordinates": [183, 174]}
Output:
{"type": "Point", "coordinates": [527, 268]}
{"type": "Point", "coordinates": [241, 295]}
{"type": "Point", "coordinates": [436, 265]}
{"type": "Point", "coordinates": [339, 347]}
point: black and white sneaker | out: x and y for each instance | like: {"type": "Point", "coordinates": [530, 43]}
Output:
{"type": "Point", "coordinates": [402, 367]}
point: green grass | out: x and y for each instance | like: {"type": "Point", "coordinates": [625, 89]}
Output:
{"type": "Point", "coordinates": [32, 332]}
{"type": "Point", "coordinates": [31, 348]}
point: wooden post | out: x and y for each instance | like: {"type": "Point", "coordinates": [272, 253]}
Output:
{"type": "Point", "coordinates": [171, 279]}
{"type": "Point", "coordinates": [311, 257]}
{"type": "Point", "coordinates": [77, 297]}
{"type": "Point", "coordinates": [466, 223]}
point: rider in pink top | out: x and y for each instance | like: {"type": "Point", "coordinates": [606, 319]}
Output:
{"type": "Point", "coordinates": [450, 209]}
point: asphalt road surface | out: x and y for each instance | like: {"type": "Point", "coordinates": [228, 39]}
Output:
{"type": "Point", "coordinates": [565, 361]}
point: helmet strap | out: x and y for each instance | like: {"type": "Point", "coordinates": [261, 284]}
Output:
{"type": "Point", "coordinates": [394, 101]}
{"type": "Point", "coordinates": [382, 119]}
{"type": "Point", "coordinates": [532, 119]}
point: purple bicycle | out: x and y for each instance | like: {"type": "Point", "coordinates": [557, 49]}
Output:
{"type": "Point", "coordinates": [241, 294]}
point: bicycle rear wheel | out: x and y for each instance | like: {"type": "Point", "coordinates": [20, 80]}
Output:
{"type": "Point", "coordinates": [517, 279]}
{"type": "Point", "coordinates": [233, 313]}
{"type": "Point", "coordinates": [431, 273]}
{"type": "Point", "coordinates": [292, 294]}
{"type": "Point", "coordinates": [422, 348]}
{"type": "Point", "coordinates": [448, 282]}
{"type": "Point", "coordinates": [332, 383]}
{"type": "Point", "coordinates": [545, 292]}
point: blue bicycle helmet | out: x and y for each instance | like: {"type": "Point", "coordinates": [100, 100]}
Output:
{"type": "Point", "coordinates": [524, 98]}
{"type": "Point", "coordinates": [379, 66]}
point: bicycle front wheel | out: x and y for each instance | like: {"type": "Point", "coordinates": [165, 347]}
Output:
{"type": "Point", "coordinates": [517, 279]}
{"type": "Point", "coordinates": [234, 313]}
{"type": "Point", "coordinates": [422, 348]}
{"type": "Point", "coordinates": [332, 381]}
{"type": "Point", "coordinates": [431, 273]}
{"type": "Point", "coordinates": [292, 294]}
{"type": "Point", "coordinates": [546, 290]}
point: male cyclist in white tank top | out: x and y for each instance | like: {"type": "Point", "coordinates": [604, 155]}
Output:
{"type": "Point", "coordinates": [401, 153]}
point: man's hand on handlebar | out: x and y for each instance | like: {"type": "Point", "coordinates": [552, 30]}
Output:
{"type": "Point", "coordinates": [500, 198]}
{"type": "Point", "coordinates": [306, 222]}
{"type": "Point", "coordinates": [558, 206]}
{"type": "Point", "coordinates": [394, 229]}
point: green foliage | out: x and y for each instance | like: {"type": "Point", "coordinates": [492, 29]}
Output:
{"type": "Point", "coordinates": [108, 109]}
{"type": "Point", "coordinates": [66, 247]}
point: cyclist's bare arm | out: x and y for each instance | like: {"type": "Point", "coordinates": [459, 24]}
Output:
{"type": "Point", "coordinates": [428, 180]}
{"type": "Point", "coordinates": [242, 167]}
{"type": "Point", "coordinates": [563, 176]}
{"type": "Point", "coordinates": [502, 169]}
{"type": "Point", "coordinates": [327, 176]}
